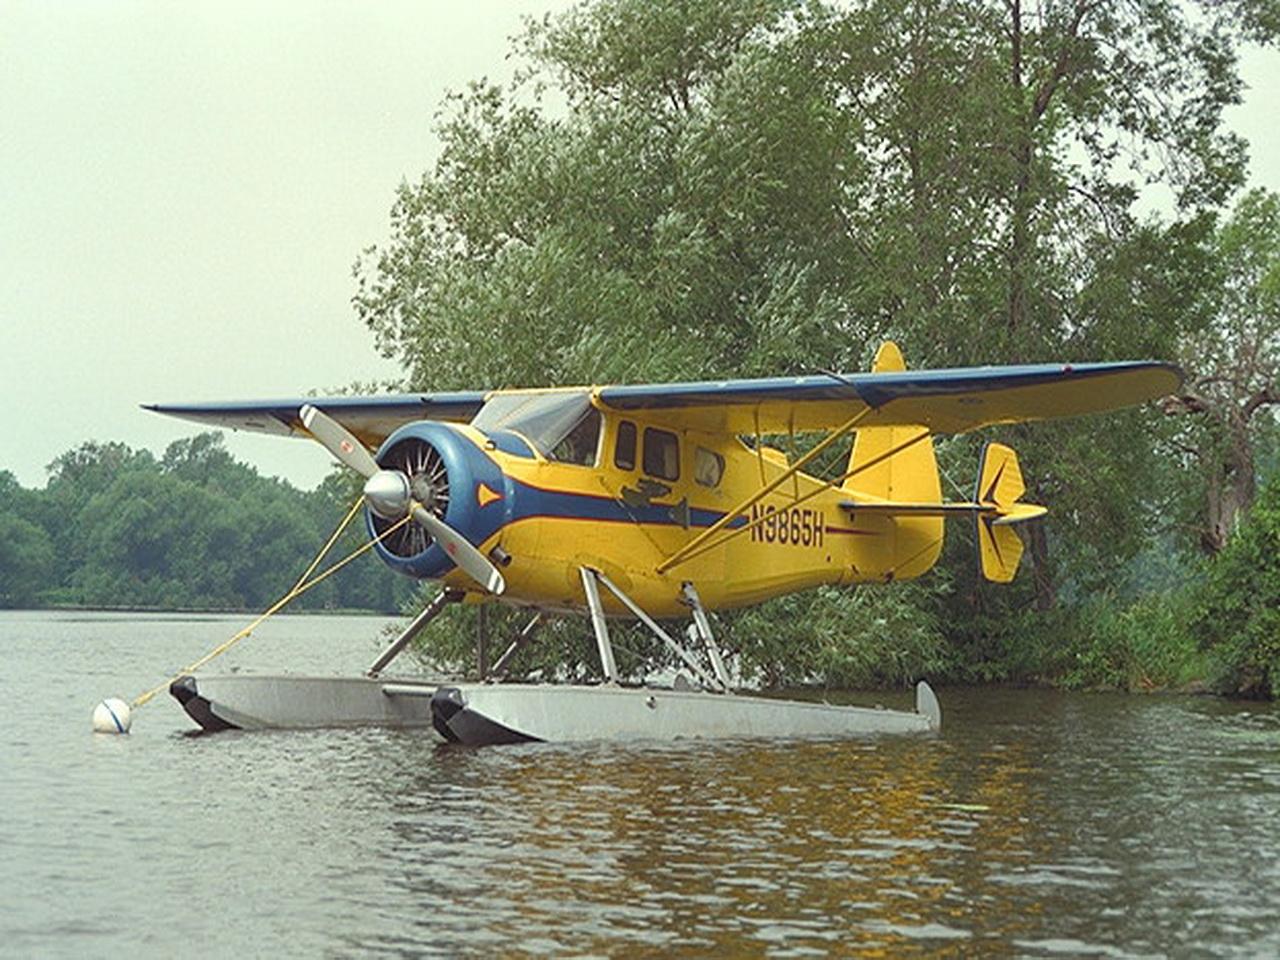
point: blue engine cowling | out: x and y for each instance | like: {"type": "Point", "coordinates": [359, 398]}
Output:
{"type": "Point", "coordinates": [433, 454]}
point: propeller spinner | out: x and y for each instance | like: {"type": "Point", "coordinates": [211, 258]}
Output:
{"type": "Point", "coordinates": [391, 494]}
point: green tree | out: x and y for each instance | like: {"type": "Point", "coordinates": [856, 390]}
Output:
{"type": "Point", "coordinates": [204, 461]}
{"type": "Point", "coordinates": [1234, 362]}
{"type": "Point", "coordinates": [198, 530]}
{"type": "Point", "coordinates": [26, 561]}
{"type": "Point", "coordinates": [75, 478]}
{"type": "Point", "coordinates": [1239, 615]}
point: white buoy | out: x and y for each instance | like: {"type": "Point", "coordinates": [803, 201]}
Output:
{"type": "Point", "coordinates": [112, 716]}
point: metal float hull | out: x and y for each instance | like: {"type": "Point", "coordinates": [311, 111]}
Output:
{"type": "Point", "coordinates": [248, 702]}
{"type": "Point", "coordinates": [480, 714]}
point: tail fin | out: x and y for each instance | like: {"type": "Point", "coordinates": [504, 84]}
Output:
{"type": "Point", "coordinates": [898, 497]}
{"type": "Point", "coordinates": [999, 489]}
{"type": "Point", "coordinates": [909, 476]}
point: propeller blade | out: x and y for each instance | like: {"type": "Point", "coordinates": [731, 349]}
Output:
{"type": "Point", "coordinates": [338, 440]}
{"type": "Point", "coordinates": [460, 550]}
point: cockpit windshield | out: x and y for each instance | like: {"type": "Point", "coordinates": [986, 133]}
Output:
{"type": "Point", "coordinates": [562, 425]}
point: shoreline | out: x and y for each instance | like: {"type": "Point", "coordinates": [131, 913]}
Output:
{"type": "Point", "coordinates": [211, 611]}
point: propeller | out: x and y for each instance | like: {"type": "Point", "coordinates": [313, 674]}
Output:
{"type": "Point", "coordinates": [338, 440]}
{"type": "Point", "coordinates": [390, 496]}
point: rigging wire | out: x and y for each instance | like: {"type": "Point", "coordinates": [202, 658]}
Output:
{"type": "Point", "coordinates": [299, 588]}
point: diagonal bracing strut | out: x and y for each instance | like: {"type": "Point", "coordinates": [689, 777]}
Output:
{"type": "Point", "coordinates": [591, 579]}
{"type": "Point", "coordinates": [698, 545]}
{"type": "Point", "coordinates": [429, 613]}
{"type": "Point", "coordinates": [519, 643]}
{"type": "Point", "coordinates": [702, 629]}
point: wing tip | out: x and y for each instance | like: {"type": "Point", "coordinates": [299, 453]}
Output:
{"type": "Point", "coordinates": [1179, 375]}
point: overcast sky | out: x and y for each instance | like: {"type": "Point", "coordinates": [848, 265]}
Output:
{"type": "Point", "coordinates": [186, 187]}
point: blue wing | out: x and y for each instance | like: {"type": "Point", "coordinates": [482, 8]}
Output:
{"type": "Point", "coordinates": [372, 419]}
{"type": "Point", "coordinates": [946, 401]}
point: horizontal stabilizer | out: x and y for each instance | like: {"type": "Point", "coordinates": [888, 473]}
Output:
{"type": "Point", "coordinates": [1019, 513]}
{"type": "Point", "coordinates": [996, 508]}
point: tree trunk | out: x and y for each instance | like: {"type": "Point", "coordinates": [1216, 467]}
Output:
{"type": "Point", "coordinates": [1042, 567]}
{"type": "Point", "coordinates": [1231, 490]}
{"type": "Point", "coordinates": [1022, 179]}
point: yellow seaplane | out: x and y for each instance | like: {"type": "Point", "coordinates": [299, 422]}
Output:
{"type": "Point", "coordinates": [654, 502]}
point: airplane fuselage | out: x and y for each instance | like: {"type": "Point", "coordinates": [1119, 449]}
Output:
{"type": "Point", "coordinates": [643, 493]}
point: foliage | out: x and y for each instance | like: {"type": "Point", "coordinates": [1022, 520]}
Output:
{"type": "Point", "coordinates": [868, 636]}
{"type": "Point", "coordinates": [114, 527]}
{"type": "Point", "coordinates": [1239, 614]}
{"type": "Point", "coordinates": [26, 561]}
{"type": "Point", "coordinates": [563, 647]}
{"type": "Point", "coordinates": [1234, 362]}
{"type": "Point", "coordinates": [26, 551]}
{"type": "Point", "coordinates": [834, 637]}
{"type": "Point", "coordinates": [1144, 645]}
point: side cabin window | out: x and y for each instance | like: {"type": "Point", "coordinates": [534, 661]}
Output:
{"type": "Point", "coordinates": [661, 454]}
{"type": "Point", "coordinates": [579, 444]}
{"type": "Point", "coordinates": [624, 448]}
{"type": "Point", "coordinates": [708, 467]}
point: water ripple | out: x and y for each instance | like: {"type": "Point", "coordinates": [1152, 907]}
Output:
{"type": "Point", "coordinates": [1038, 824]}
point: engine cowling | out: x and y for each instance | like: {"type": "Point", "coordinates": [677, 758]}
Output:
{"type": "Point", "coordinates": [452, 478]}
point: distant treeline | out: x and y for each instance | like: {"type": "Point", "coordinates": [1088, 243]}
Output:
{"type": "Point", "coordinates": [194, 530]}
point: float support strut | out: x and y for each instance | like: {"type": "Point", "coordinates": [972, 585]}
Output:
{"type": "Point", "coordinates": [707, 680]}
{"type": "Point", "coordinates": [603, 644]}
{"type": "Point", "coordinates": [522, 639]}
{"type": "Point", "coordinates": [429, 613]}
{"type": "Point", "coordinates": [702, 626]}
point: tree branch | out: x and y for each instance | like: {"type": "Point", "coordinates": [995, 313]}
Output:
{"type": "Point", "coordinates": [1264, 397]}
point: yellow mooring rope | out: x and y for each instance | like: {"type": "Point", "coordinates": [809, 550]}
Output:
{"type": "Point", "coordinates": [299, 588]}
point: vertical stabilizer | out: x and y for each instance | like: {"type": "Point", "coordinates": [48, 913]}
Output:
{"type": "Point", "coordinates": [910, 476]}
{"type": "Point", "coordinates": [999, 477]}
{"type": "Point", "coordinates": [999, 550]}
{"type": "Point", "coordinates": [999, 489]}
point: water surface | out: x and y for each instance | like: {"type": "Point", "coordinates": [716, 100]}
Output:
{"type": "Point", "coordinates": [1037, 824]}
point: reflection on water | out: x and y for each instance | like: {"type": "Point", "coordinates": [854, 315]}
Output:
{"type": "Point", "coordinates": [1037, 824]}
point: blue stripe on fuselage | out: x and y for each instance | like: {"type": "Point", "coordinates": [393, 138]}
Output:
{"type": "Point", "coordinates": [533, 501]}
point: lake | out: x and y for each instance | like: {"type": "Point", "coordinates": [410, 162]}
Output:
{"type": "Point", "coordinates": [1036, 824]}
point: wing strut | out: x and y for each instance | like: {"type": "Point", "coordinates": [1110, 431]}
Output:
{"type": "Point", "coordinates": [691, 548]}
